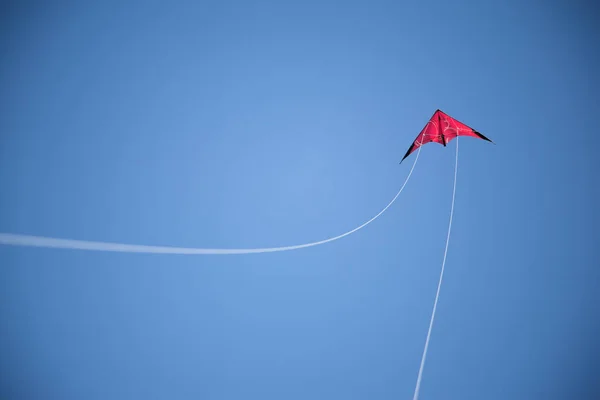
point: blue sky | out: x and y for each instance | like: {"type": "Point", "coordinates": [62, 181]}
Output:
{"type": "Point", "coordinates": [263, 123]}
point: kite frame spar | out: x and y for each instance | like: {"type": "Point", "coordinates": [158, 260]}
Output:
{"type": "Point", "coordinates": [11, 239]}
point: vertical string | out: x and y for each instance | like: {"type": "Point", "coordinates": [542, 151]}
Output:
{"type": "Point", "coordinates": [437, 295]}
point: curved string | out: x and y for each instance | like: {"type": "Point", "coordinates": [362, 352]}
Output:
{"type": "Point", "coordinates": [11, 239]}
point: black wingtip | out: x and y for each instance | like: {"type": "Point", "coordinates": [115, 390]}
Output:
{"type": "Point", "coordinates": [482, 136]}
{"type": "Point", "coordinates": [408, 152]}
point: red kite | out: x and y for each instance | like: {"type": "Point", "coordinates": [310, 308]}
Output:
{"type": "Point", "coordinates": [441, 129]}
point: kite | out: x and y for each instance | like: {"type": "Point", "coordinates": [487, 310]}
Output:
{"type": "Point", "coordinates": [441, 129]}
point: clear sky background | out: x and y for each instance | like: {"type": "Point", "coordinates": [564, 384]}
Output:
{"type": "Point", "coordinates": [268, 123]}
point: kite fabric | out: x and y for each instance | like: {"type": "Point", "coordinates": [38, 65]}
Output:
{"type": "Point", "coordinates": [441, 129]}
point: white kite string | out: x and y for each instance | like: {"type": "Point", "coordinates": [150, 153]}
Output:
{"type": "Point", "coordinates": [11, 239]}
{"type": "Point", "coordinates": [437, 295]}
